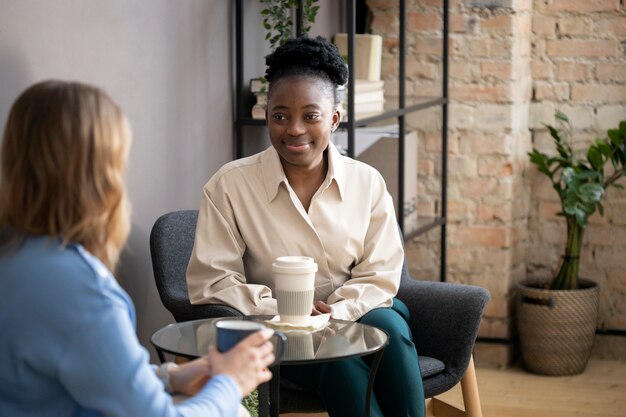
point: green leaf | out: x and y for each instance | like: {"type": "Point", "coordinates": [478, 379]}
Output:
{"type": "Point", "coordinates": [265, 12]}
{"type": "Point", "coordinates": [614, 135]}
{"type": "Point", "coordinates": [553, 132]}
{"type": "Point", "coordinates": [595, 158]}
{"type": "Point", "coordinates": [541, 160]}
{"type": "Point", "coordinates": [588, 208]}
{"type": "Point", "coordinates": [569, 175]}
{"type": "Point", "coordinates": [561, 116]}
{"type": "Point", "coordinates": [604, 148]}
{"type": "Point", "coordinates": [563, 162]}
{"type": "Point", "coordinates": [618, 155]}
{"type": "Point", "coordinates": [589, 175]}
{"type": "Point", "coordinates": [591, 192]}
{"type": "Point", "coordinates": [570, 209]}
{"type": "Point", "coordinates": [622, 128]}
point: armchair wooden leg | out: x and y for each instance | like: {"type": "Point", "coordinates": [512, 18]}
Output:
{"type": "Point", "coordinates": [469, 387]}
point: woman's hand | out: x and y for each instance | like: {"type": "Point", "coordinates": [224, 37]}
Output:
{"type": "Point", "coordinates": [246, 362]}
{"type": "Point", "coordinates": [320, 307]}
{"type": "Point", "coordinates": [190, 377]}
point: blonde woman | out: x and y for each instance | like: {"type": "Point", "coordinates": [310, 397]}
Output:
{"type": "Point", "coordinates": [68, 345]}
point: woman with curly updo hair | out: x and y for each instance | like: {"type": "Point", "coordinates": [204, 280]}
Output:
{"type": "Point", "coordinates": [68, 345]}
{"type": "Point", "coordinates": [301, 197]}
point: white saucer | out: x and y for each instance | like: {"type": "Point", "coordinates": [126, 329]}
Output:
{"type": "Point", "coordinates": [315, 323]}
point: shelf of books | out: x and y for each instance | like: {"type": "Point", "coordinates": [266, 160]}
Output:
{"type": "Point", "coordinates": [366, 113]}
{"type": "Point", "coordinates": [370, 103]}
{"type": "Point", "coordinates": [369, 88]}
{"type": "Point", "coordinates": [375, 107]}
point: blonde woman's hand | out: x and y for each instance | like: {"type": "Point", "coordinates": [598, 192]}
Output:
{"type": "Point", "coordinates": [190, 377]}
{"type": "Point", "coordinates": [247, 361]}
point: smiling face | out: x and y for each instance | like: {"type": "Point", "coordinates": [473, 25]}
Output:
{"type": "Point", "coordinates": [301, 116]}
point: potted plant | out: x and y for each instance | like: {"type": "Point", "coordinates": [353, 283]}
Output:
{"type": "Point", "coordinates": [279, 26]}
{"type": "Point", "coordinates": [278, 21]}
{"type": "Point", "coordinates": [557, 319]}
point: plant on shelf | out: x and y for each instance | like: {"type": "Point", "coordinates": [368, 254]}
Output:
{"type": "Point", "coordinates": [278, 20]}
{"type": "Point", "coordinates": [580, 183]}
{"type": "Point", "coordinates": [279, 26]}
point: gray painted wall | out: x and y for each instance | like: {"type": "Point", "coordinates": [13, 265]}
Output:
{"type": "Point", "coordinates": [168, 64]}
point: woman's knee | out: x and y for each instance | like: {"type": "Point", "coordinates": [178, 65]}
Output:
{"type": "Point", "coordinates": [388, 320]}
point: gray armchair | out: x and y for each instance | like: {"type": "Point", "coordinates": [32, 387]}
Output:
{"type": "Point", "coordinates": [171, 243]}
{"type": "Point", "coordinates": [444, 318]}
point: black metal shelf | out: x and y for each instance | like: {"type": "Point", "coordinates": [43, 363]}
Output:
{"type": "Point", "coordinates": [397, 110]}
{"type": "Point", "coordinates": [424, 224]}
{"type": "Point", "coordinates": [419, 103]}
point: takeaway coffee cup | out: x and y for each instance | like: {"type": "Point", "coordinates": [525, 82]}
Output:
{"type": "Point", "coordinates": [294, 279]}
{"type": "Point", "coordinates": [231, 332]}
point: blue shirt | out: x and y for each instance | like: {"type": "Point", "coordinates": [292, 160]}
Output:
{"type": "Point", "coordinates": [68, 345]}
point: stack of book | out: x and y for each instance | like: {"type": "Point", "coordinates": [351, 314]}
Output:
{"type": "Point", "coordinates": [259, 87]}
{"type": "Point", "coordinates": [369, 98]}
{"type": "Point", "coordinates": [369, 88]}
{"type": "Point", "coordinates": [367, 57]}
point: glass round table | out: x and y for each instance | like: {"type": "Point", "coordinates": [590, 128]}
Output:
{"type": "Point", "coordinates": [337, 340]}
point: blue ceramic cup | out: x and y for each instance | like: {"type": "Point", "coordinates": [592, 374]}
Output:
{"type": "Point", "coordinates": [231, 332]}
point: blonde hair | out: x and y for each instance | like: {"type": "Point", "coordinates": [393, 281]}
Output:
{"type": "Point", "coordinates": [64, 152]}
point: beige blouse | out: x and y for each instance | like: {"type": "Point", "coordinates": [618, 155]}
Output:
{"type": "Point", "coordinates": [250, 215]}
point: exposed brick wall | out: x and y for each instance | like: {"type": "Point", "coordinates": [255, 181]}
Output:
{"type": "Point", "coordinates": [512, 64]}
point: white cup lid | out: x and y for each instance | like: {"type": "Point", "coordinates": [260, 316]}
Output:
{"type": "Point", "coordinates": [294, 264]}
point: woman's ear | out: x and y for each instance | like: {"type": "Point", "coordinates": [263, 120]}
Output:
{"type": "Point", "coordinates": [336, 119]}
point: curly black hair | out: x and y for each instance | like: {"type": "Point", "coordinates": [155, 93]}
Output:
{"type": "Point", "coordinates": [308, 57]}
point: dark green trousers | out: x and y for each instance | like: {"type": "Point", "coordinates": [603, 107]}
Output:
{"type": "Point", "coordinates": [342, 385]}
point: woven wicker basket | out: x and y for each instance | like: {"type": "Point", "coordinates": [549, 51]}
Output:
{"type": "Point", "coordinates": [556, 328]}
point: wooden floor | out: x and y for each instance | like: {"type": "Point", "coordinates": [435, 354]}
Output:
{"type": "Point", "coordinates": [599, 392]}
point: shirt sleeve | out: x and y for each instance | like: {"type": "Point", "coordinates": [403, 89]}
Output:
{"type": "Point", "coordinates": [215, 274]}
{"type": "Point", "coordinates": [105, 368]}
{"type": "Point", "coordinates": [375, 279]}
